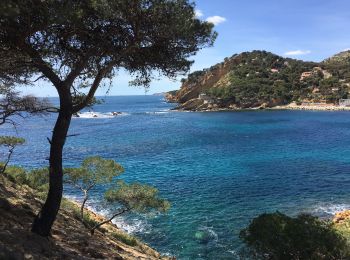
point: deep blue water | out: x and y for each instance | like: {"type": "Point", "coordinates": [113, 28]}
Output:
{"type": "Point", "coordinates": [218, 169]}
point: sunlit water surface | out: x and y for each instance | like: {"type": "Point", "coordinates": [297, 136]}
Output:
{"type": "Point", "coordinates": [218, 169]}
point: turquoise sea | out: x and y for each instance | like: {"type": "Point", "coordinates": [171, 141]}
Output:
{"type": "Point", "coordinates": [218, 169]}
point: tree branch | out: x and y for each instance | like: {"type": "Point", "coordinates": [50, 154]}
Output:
{"type": "Point", "coordinates": [41, 65]}
{"type": "Point", "coordinates": [109, 220]}
{"type": "Point", "coordinates": [100, 75]}
{"type": "Point", "coordinates": [78, 68]}
{"type": "Point", "coordinates": [86, 197]}
{"type": "Point", "coordinates": [14, 105]}
{"type": "Point", "coordinates": [8, 159]}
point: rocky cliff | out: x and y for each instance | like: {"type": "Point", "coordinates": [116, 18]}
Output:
{"type": "Point", "coordinates": [262, 79]}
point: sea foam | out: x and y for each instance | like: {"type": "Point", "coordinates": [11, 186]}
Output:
{"type": "Point", "coordinates": [98, 115]}
{"type": "Point", "coordinates": [330, 209]}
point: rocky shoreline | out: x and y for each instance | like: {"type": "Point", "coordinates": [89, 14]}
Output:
{"type": "Point", "coordinates": [192, 107]}
{"type": "Point", "coordinates": [342, 216]}
{"type": "Point", "coordinates": [328, 107]}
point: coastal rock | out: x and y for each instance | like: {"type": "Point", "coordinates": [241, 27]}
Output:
{"type": "Point", "coordinates": [171, 96]}
{"type": "Point", "coordinates": [263, 106]}
{"type": "Point", "coordinates": [342, 216]}
{"type": "Point", "coordinates": [192, 105]}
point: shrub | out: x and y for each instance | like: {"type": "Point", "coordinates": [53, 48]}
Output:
{"type": "Point", "coordinates": [277, 236]}
{"type": "Point", "coordinates": [125, 238]}
{"type": "Point", "coordinates": [16, 174]}
{"type": "Point", "coordinates": [39, 179]}
{"type": "Point", "coordinates": [344, 228]}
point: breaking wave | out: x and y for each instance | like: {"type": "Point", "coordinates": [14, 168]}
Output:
{"type": "Point", "coordinates": [328, 210]}
{"type": "Point", "coordinates": [98, 115]}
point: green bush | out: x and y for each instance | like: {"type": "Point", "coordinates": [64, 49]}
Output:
{"type": "Point", "coordinates": [344, 228]}
{"type": "Point", "coordinates": [16, 174]}
{"type": "Point", "coordinates": [125, 238]}
{"type": "Point", "coordinates": [39, 179]}
{"type": "Point", "coordinates": [277, 236]}
{"type": "Point", "coordinates": [87, 220]}
{"type": "Point", "coordinates": [73, 208]}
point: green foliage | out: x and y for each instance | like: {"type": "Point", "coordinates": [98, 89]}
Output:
{"type": "Point", "coordinates": [339, 65]}
{"type": "Point", "coordinates": [137, 197]}
{"type": "Point", "coordinates": [74, 209]}
{"type": "Point", "coordinates": [78, 45]}
{"type": "Point", "coordinates": [126, 197]}
{"type": "Point", "coordinates": [194, 76]}
{"type": "Point", "coordinates": [68, 205]}
{"type": "Point", "coordinates": [93, 170]}
{"type": "Point", "coordinates": [87, 219]}
{"type": "Point", "coordinates": [80, 97]}
{"type": "Point", "coordinates": [344, 228]}
{"type": "Point", "coordinates": [277, 236]}
{"type": "Point", "coordinates": [125, 238]}
{"type": "Point", "coordinates": [11, 141]}
{"type": "Point", "coordinates": [260, 77]}
{"type": "Point", "coordinates": [92, 37]}
{"type": "Point", "coordinates": [16, 174]}
{"type": "Point", "coordinates": [38, 179]}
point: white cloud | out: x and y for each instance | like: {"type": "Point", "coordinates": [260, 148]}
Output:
{"type": "Point", "coordinates": [347, 49]}
{"type": "Point", "coordinates": [296, 53]}
{"type": "Point", "coordinates": [216, 19]}
{"type": "Point", "coordinates": [198, 13]}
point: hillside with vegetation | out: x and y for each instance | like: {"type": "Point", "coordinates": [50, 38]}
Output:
{"type": "Point", "coordinates": [261, 79]}
{"type": "Point", "coordinates": [22, 193]}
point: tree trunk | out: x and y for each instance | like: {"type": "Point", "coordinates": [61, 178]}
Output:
{"type": "Point", "coordinates": [44, 220]}
{"type": "Point", "coordinates": [83, 206]}
{"type": "Point", "coordinates": [8, 160]}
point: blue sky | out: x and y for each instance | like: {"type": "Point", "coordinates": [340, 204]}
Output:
{"type": "Point", "coordinates": [303, 29]}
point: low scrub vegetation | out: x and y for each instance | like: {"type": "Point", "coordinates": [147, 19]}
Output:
{"type": "Point", "coordinates": [125, 238]}
{"type": "Point", "coordinates": [122, 197]}
{"type": "Point", "coordinates": [278, 236]}
{"type": "Point", "coordinates": [37, 179]}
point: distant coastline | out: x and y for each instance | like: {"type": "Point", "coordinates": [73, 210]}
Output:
{"type": "Point", "coordinates": [263, 80]}
{"type": "Point", "coordinates": [291, 106]}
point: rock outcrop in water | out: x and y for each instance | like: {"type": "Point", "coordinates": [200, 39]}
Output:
{"type": "Point", "coordinates": [260, 79]}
